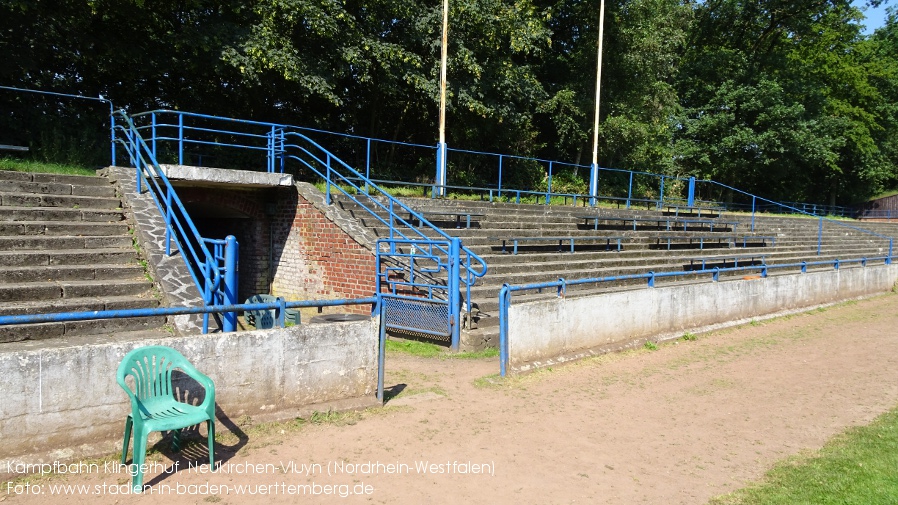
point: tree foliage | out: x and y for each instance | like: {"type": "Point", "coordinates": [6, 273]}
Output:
{"type": "Point", "coordinates": [785, 99]}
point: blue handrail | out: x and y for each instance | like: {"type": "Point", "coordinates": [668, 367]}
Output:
{"type": "Point", "coordinates": [213, 273]}
{"type": "Point", "coordinates": [650, 277]}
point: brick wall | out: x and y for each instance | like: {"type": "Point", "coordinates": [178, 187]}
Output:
{"type": "Point", "coordinates": [315, 259]}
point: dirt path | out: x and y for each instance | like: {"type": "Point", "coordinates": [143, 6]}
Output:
{"type": "Point", "coordinates": [678, 425]}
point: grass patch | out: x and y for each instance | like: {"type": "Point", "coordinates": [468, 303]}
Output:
{"type": "Point", "coordinates": [856, 467]}
{"type": "Point", "coordinates": [428, 350]}
{"type": "Point", "coordinates": [16, 165]}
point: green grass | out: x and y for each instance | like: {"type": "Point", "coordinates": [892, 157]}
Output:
{"type": "Point", "coordinates": [42, 167]}
{"type": "Point", "coordinates": [857, 467]}
{"type": "Point", "coordinates": [428, 350]}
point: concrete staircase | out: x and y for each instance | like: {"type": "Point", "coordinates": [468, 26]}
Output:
{"type": "Point", "coordinates": [64, 247]}
{"type": "Point", "coordinates": [796, 240]}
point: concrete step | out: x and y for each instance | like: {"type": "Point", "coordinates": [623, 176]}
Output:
{"type": "Point", "coordinates": [83, 304]}
{"type": "Point", "coordinates": [50, 273]}
{"type": "Point", "coordinates": [81, 329]}
{"type": "Point", "coordinates": [42, 243]}
{"type": "Point", "coordinates": [8, 214]}
{"type": "Point", "coordinates": [77, 180]}
{"type": "Point", "coordinates": [65, 201]}
{"type": "Point", "coordinates": [55, 188]}
{"type": "Point", "coordinates": [62, 257]}
{"type": "Point", "coordinates": [62, 228]}
{"type": "Point", "coordinates": [28, 291]}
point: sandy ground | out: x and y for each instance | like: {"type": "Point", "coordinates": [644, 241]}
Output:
{"type": "Point", "coordinates": [679, 425]}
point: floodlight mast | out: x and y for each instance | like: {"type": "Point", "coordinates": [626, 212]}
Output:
{"type": "Point", "coordinates": [440, 190]}
{"type": "Point", "coordinates": [594, 168]}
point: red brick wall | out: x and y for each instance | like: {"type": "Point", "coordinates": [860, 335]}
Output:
{"type": "Point", "coordinates": [315, 259]}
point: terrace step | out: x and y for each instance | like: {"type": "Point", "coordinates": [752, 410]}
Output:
{"type": "Point", "coordinates": [65, 246]}
{"type": "Point", "coordinates": [58, 228]}
{"type": "Point", "coordinates": [42, 243]}
{"type": "Point", "coordinates": [13, 199]}
{"type": "Point", "coordinates": [62, 257]}
{"type": "Point", "coordinates": [26, 291]}
{"type": "Point", "coordinates": [49, 273]}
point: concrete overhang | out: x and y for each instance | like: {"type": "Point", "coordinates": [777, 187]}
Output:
{"type": "Point", "coordinates": [182, 175]}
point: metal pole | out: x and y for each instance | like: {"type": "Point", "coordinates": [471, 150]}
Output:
{"type": "Point", "coordinates": [594, 172]}
{"type": "Point", "coordinates": [231, 256]}
{"type": "Point", "coordinates": [441, 147]}
{"type": "Point", "coordinates": [454, 295]}
{"type": "Point", "coordinates": [549, 185]}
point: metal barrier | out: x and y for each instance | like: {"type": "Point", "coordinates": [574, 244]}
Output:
{"type": "Point", "coordinates": [280, 306]}
{"type": "Point", "coordinates": [650, 277]}
{"type": "Point", "coordinates": [282, 144]}
{"type": "Point", "coordinates": [214, 273]}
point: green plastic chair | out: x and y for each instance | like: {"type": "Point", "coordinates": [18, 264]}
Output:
{"type": "Point", "coordinates": [263, 319]}
{"type": "Point", "coordinates": [153, 404]}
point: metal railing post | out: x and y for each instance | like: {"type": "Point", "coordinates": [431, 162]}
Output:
{"type": "Point", "coordinates": [500, 177]}
{"type": "Point", "coordinates": [454, 295]}
{"type": "Point", "coordinates": [153, 130]}
{"type": "Point", "coordinates": [753, 198]}
{"type": "Point", "coordinates": [593, 184]}
{"type": "Point", "coordinates": [231, 256]}
{"type": "Point", "coordinates": [820, 237]}
{"type": "Point", "coordinates": [690, 202]}
{"type": "Point", "coordinates": [630, 190]}
{"type": "Point", "coordinates": [381, 351]}
{"type": "Point", "coordinates": [168, 218]}
{"type": "Point", "coordinates": [367, 165]}
{"type": "Point", "coordinates": [661, 195]}
{"type": "Point", "coordinates": [112, 131]}
{"type": "Point", "coordinates": [504, 302]}
{"type": "Point", "coordinates": [549, 186]}
{"type": "Point", "coordinates": [180, 139]}
{"type": "Point", "coordinates": [327, 181]}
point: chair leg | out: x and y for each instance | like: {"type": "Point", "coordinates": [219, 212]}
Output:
{"type": "Point", "coordinates": [140, 453]}
{"type": "Point", "coordinates": [128, 423]}
{"type": "Point", "coordinates": [176, 440]}
{"type": "Point", "coordinates": [211, 429]}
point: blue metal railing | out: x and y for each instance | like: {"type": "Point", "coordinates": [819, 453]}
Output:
{"type": "Point", "coordinates": [280, 305]}
{"type": "Point", "coordinates": [282, 144]}
{"type": "Point", "coordinates": [650, 277]}
{"type": "Point", "coordinates": [213, 272]}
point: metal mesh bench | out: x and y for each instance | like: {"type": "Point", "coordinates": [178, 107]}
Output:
{"type": "Point", "coordinates": [571, 240]}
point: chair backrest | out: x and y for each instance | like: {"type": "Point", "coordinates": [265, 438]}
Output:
{"type": "Point", "coordinates": [151, 368]}
{"type": "Point", "coordinates": [262, 319]}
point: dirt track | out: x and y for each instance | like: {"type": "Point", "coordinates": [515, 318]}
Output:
{"type": "Point", "coordinates": [678, 425]}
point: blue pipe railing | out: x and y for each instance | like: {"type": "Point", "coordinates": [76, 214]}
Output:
{"type": "Point", "coordinates": [280, 305]}
{"type": "Point", "coordinates": [282, 143]}
{"type": "Point", "coordinates": [214, 273]}
{"type": "Point", "coordinates": [650, 277]}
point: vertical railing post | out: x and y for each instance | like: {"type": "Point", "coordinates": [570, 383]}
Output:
{"type": "Point", "coordinates": [690, 202]}
{"type": "Point", "coordinates": [112, 131]}
{"type": "Point", "coordinates": [327, 181]}
{"type": "Point", "coordinates": [889, 257]}
{"type": "Point", "coordinates": [549, 185]}
{"type": "Point", "coordinates": [282, 148]}
{"type": "Point", "coordinates": [439, 188]}
{"type": "Point", "coordinates": [820, 237]}
{"type": "Point", "coordinates": [499, 194]}
{"type": "Point", "coordinates": [454, 294]}
{"type": "Point", "coordinates": [168, 218]}
{"type": "Point", "coordinates": [753, 200]}
{"type": "Point", "coordinates": [504, 301]}
{"type": "Point", "coordinates": [271, 135]}
{"type": "Point", "coordinates": [593, 184]}
{"type": "Point", "coordinates": [367, 166]}
{"type": "Point", "coordinates": [153, 129]}
{"type": "Point", "coordinates": [381, 351]}
{"type": "Point", "coordinates": [661, 195]}
{"type": "Point", "coordinates": [180, 139]}
{"type": "Point", "coordinates": [231, 256]}
{"type": "Point", "coordinates": [630, 190]}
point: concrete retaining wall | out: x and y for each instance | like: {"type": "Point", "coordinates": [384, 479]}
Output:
{"type": "Point", "coordinates": [62, 401]}
{"type": "Point", "coordinates": [546, 332]}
